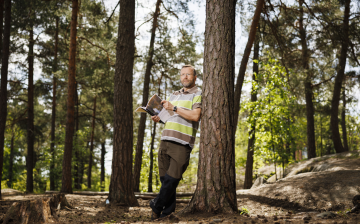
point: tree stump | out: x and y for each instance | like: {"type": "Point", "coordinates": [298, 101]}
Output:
{"type": "Point", "coordinates": [36, 211]}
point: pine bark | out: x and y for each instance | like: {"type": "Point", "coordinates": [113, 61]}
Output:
{"type": "Point", "coordinates": [334, 120]}
{"type": "Point", "coordinates": [36, 211]}
{"type": "Point", "coordinates": [343, 122]}
{"type": "Point", "coordinates": [215, 190]}
{"type": "Point", "coordinates": [245, 59]}
{"type": "Point", "coordinates": [250, 153]}
{"type": "Point", "coordinates": [70, 123]}
{"type": "Point", "coordinates": [4, 81]}
{"type": "Point", "coordinates": [30, 120]}
{"type": "Point", "coordinates": [1, 25]}
{"type": "Point", "coordinates": [91, 145]}
{"type": "Point", "coordinates": [151, 158]}
{"type": "Point", "coordinates": [142, 124]}
{"type": "Point", "coordinates": [53, 110]}
{"type": "Point", "coordinates": [121, 184]}
{"type": "Point", "coordinates": [310, 124]}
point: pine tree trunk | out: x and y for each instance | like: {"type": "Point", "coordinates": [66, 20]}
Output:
{"type": "Point", "coordinates": [310, 131]}
{"type": "Point", "coordinates": [91, 145]}
{"type": "Point", "coordinates": [121, 183]}
{"type": "Point", "coordinates": [77, 166]}
{"type": "Point", "coordinates": [4, 81]}
{"type": "Point", "coordinates": [215, 190]}
{"type": "Point", "coordinates": [1, 25]}
{"type": "Point", "coordinates": [102, 172]}
{"type": "Point", "coordinates": [38, 211]}
{"type": "Point", "coordinates": [151, 158]}
{"type": "Point", "coordinates": [142, 124]}
{"type": "Point", "coordinates": [30, 122]}
{"type": "Point", "coordinates": [53, 110]}
{"type": "Point", "coordinates": [66, 166]}
{"type": "Point", "coordinates": [244, 60]}
{"type": "Point", "coordinates": [343, 123]}
{"type": "Point", "coordinates": [250, 153]}
{"type": "Point", "coordinates": [82, 165]}
{"type": "Point", "coordinates": [334, 120]}
{"type": "Point", "coordinates": [11, 163]}
{"type": "Point", "coordinates": [77, 149]}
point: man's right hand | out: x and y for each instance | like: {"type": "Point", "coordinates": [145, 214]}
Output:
{"type": "Point", "coordinates": [155, 118]}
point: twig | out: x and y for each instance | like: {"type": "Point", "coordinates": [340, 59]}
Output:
{"type": "Point", "coordinates": [169, 11]}
{"type": "Point", "coordinates": [96, 46]}
{"type": "Point", "coordinates": [112, 13]}
{"type": "Point", "coordinates": [326, 80]}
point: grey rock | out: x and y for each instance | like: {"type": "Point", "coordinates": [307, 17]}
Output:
{"type": "Point", "coordinates": [259, 181]}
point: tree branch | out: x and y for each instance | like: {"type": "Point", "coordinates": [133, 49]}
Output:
{"type": "Point", "coordinates": [326, 80]}
{"type": "Point", "coordinates": [171, 12]}
{"type": "Point", "coordinates": [112, 13]}
{"type": "Point", "coordinates": [107, 54]}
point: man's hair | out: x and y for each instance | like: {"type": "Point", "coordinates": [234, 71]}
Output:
{"type": "Point", "coordinates": [190, 66]}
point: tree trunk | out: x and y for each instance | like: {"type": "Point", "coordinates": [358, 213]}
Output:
{"type": "Point", "coordinates": [1, 25]}
{"type": "Point", "coordinates": [215, 190]}
{"type": "Point", "coordinates": [102, 173]}
{"type": "Point", "coordinates": [91, 145]}
{"type": "Point", "coordinates": [36, 211]}
{"type": "Point", "coordinates": [78, 152]}
{"type": "Point", "coordinates": [343, 123]}
{"type": "Point", "coordinates": [4, 80]}
{"type": "Point", "coordinates": [78, 159]}
{"type": "Point", "coordinates": [142, 124]}
{"type": "Point", "coordinates": [244, 60]}
{"type": "Point", "coordinates": [121, 184]}
{"type": "Point", "coordinates": [321, 138]}
{"type": "Point", "coordinates": [11, 163]}
{"type": "Point", "coordinates": [251, 142]}
{"type": "Point", "coordinates": [66, 172]}
{"type": "Point", "coordinates": [30, 121]}
{"type": "Point", "coordinates": [151, 158]}
{"type": "Point", "coordinates": [310, 131]}
{"type": "Point", "coordinates": [82, 164]}
{"type": "Point", "coordinates": [53, 112]}
{"type": "Point", "coordinates": [334, 120]}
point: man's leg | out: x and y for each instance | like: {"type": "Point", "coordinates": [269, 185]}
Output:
{"type": "Point", "coordinates": [179, 160]}
{"type": "Point", "coordinates": [170, 205]}
{"type": "Point", "coordinates": [163, 165]}
{"type": "Point", "coordinates": [164, 202]}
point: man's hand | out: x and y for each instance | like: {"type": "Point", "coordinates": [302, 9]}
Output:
{"type": "Point", "coordinates": [155, 118]}
{"type": "Point", "coordinates": [167, 105]}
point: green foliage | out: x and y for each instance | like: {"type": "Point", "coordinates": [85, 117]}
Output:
{"type": "Point", "coordinates": [271, 113]}
{"type": "Point", "coordinates": [4, 184]}
{"type": "Point", "coordinates": [244, 211]}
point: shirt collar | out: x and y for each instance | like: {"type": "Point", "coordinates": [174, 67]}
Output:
{"type": "Point", "coordinates": [192, 90]}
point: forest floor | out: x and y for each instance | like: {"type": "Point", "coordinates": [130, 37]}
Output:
{"type": "Point", "coordinates": [321, 196]}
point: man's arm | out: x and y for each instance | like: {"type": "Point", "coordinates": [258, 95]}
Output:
{"type": "Point", "coordinates": [191, 115]}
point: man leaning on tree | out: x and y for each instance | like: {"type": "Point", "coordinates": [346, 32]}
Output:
{"type": "Point", "coordinates": [177, 141]}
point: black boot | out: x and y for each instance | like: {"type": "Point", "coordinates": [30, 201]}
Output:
{"type": "Point", "coordinates": [166, 199]}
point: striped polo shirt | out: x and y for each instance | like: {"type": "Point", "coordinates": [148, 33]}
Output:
{"type": "Point", "coordinates": [177, 128]}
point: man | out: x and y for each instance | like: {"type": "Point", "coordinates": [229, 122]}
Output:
{"type": "Point", "coordinates": [177, 141]}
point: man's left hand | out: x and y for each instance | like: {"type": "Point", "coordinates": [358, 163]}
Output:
{"type": "Point", "coordinates": [167, 105]}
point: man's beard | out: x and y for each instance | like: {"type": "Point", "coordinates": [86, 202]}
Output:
{"type": "Point", "coordinates": [187, 85]}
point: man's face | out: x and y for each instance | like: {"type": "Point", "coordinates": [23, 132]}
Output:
{"type": "Point", "coordinates": [187, 77]}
